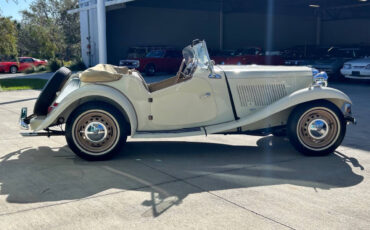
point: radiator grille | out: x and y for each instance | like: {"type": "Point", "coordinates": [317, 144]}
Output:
{"type": "Point", "coordinates": [260, 95]}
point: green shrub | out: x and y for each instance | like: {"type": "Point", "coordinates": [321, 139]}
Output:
{"type": "Point", "coordinates": [55, 64]}
{"type": "Point", "coordinates": [77, 66]}
{"type": "Point", "coordinates": [29, 70]}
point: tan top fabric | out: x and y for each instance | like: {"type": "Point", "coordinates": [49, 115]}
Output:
{"type": "Point", "coordinates": [103, 73]}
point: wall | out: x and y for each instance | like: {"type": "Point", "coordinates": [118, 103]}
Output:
{"type": "Point", "coordinates": [155, 26]}
{"type": "Point", "coordinates": [146, 26]}
{"type": "Point", "coordinates": [251, 29]}
{"type": "Point", "coordinates": [351, 31]}
{"type": "Point", "coordinates": [133, 26]}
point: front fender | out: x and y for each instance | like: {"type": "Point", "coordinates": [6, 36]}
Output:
{"type": "Point", "coordinates": [298, 97]}
{"type": "Point", "coordinates": [90, 91]}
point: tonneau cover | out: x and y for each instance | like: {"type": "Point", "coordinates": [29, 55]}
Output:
{"type": "Point", "coordinates": [103, 73]}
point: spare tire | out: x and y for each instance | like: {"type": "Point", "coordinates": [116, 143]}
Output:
{"type": "Point", "coordinates": [48, 93]}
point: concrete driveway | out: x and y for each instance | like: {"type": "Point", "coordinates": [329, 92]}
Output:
{"type": "Point", "coordinates": [214, 182]}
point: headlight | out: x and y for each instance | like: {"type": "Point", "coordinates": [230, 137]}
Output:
{"type": "Point", "coordinates": [136, 64]}
{"type": "Point", "coordinates": [368, 66]}
{"type": "Point", "coordinates": [320, 79]}
{"type": "Point", "coordinates": [347, 66]}
{"type": "Point", "coordinates": [315, 72]}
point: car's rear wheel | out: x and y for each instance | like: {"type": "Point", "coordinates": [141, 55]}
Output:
{"type": "Point", "coordinates": [13, 69]}
{"type": "Point", "coordinates": [150, 70]}
{"type": "Point", "coordinates": [96, 131]}
{"type": "Point", "coordinates": [317, 128]}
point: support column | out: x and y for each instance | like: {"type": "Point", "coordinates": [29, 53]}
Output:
{"type": "Point", "coordinates": [318, 28]}
{"type": "Point", "coordinates": [221, 25]}
{"type": "Point", "coordinates": [102, 37]}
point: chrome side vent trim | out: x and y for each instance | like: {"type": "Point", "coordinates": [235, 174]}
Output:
{"type": "Point", "coordinates": [260, 95]}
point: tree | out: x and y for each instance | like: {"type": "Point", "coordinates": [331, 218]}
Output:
{"type": "Point", "coordinates": [47, 25]}
{"type": "Point", "coordinates": [34, 41]}
{"type": "Point", "coordinates": [8, 38]}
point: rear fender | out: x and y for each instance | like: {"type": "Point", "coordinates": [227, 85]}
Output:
{"type": "Point", "coordinates": [298, 97]}
{"type": "Point", "coordinates": [85, 94]}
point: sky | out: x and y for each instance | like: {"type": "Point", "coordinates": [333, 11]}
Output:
{"type": "Point", "coordinates": [12, 8]}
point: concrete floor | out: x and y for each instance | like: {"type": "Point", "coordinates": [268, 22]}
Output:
{"type": "Point", "coordinates": [214, 182]}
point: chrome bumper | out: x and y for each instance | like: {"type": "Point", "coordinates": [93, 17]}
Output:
{"type": "Point", "coordinates": [23, 121]}
{"type": "Point", "coordinates": [350, 119]}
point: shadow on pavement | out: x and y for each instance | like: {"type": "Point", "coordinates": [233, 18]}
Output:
{"type": "Point", "coordinates": [46, 174]}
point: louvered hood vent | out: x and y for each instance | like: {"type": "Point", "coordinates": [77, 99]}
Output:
{"type": "Point", "coordinates": [260, 95]}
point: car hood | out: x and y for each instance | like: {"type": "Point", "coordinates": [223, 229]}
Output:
{"type": "Point", "coordinates": [363, 61]}
{"type": "Point", "coordinates": [241, 71]}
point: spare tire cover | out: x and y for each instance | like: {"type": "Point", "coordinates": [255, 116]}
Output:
{"type": "Point", "coordinates": [48, 93]}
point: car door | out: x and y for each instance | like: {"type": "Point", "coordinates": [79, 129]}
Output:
{"type": "Point", "coordinates": [26, 63]}
{"type": "Point", "coordinates": [184, 105]}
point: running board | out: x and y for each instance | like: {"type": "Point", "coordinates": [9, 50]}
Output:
{"type": "Point", "coordinates": [170, 133]}
{"type": "Point", "coordinates": [43, 134]}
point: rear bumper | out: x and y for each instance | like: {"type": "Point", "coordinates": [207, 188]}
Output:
{"type": "Point", "coordinates": [24, 120]}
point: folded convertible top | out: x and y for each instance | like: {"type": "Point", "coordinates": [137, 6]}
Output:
{"type": "Point", "coordinates": [103, 73]}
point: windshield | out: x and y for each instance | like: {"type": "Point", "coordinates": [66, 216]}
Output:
{"type": "Point", "coordinates": [201, 54]}
{"type": "Point", "coordinates": [197, 52]}
{"type": "Point", "coordinates": [155, 54]}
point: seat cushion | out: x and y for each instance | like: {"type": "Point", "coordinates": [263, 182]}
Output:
{"type": "Point", "coordinates": [103, 73]}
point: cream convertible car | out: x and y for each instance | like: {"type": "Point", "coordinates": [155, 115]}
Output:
{"type": "Point", "coordinates": [103, 105]}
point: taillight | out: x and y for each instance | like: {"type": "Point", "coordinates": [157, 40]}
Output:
{"type": "Point", "coordinates": [50, 108]}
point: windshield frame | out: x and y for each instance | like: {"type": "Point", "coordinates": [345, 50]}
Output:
{"type": "Point", "coordinates": [201, 55]}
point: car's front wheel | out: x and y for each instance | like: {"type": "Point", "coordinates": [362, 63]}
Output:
{"type": "Point", "coordinates": [96, 131]}
{"type": "Point", "coordinates": [150, 70]}
{"type": "Point", "coordinates": [316, 128]}
{"type": "Point", "coordinates": [13, 69]}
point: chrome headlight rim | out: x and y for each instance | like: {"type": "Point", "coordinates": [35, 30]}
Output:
{"type": "Point", "coordinates": [319, 78]}
{"type": "Point", "coordinates": [347, 66]}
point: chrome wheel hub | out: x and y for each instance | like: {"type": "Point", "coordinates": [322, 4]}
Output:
{"type": "Point", "coordinates": [318, 129]}
{"type": "Point", "coordinates": [96, 132]}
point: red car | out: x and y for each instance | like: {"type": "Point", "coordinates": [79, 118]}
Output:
{"type": "Point", "coordinates": [29, 62]}
{"type": "Point", "coordinates": [23, 63]}
{"type": "Point", "coordinates": [252, 55]}
{"type": "Point", "coordinates": [9, 66]}
{"type": "Point", "coordinates": [161, 60]}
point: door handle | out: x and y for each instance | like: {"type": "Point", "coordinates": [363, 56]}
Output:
{"type": "Point", "coordinates": [204, 96]}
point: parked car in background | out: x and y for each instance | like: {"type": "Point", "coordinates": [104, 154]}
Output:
{"type": "Point", "coordinates": [303, 55]}
{"type": "Point", "coordinates": [9, 65]}
{"type": "Point", "coordinates": [247, 56]}
{"type": "Point", "coordinates": [334, 59]}
{"type": "Point", "coordinates": [357, 69]}
{"type": "Point", "coordinates": [29, 63]}
{"type": "Point", "coordinates": [159, 60]}
{"type": "Point", "coordinates": [21, 64]}
{"type": "Point", "coordinates": [142, 51]}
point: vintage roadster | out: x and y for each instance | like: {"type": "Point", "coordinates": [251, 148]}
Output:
{"type": "Point", "coordinates": [103, 105]}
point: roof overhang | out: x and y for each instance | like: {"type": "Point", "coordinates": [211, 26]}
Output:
{"type": "Point", "coordinates": [91, 4]}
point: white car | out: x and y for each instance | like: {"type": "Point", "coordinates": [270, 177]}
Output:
{"type": "Point", "coordinates": [357, 69]}
{"type": "Point", "coordinates": [103, 105]}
